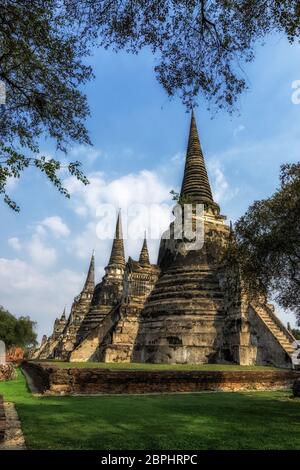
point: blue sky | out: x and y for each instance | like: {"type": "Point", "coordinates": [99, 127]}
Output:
{"type": "Point", "coordinates": [139, 138]}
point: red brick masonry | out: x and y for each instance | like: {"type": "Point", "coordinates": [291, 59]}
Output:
{"type": "Point", "coordinates": [53, 380]}
{"type": "Point", "coordinates": [2, 419]}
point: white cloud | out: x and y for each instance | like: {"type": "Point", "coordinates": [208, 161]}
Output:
{"type": "Point", "coordinates": [83, 152]}
{"type": "Point", "coordinates": [40, 230]}
{"type": "Point", "coordinates": [85, 242]}
{"type": "Point", "coordinates": [178, 159]}
{"type": "Point", "coordinates": [41, 254]}
{"type": "Point", "coordinates": [11, 183]}
{"type": "Point", "coordinates": [145, 201]}
{"type": "Point", "coordinates": [240, 128]}
{"type": "Point", "coordinates": [25, 290]}
{"type": "Point", "coordinates": [14, 243]}
{"type": "Point", "coordinates": [222, 190]}
{"type": "Point", "coordinates": [80, 210]}
{"type": "Point", "coordinates": [56, 225]}
{"type": "Point", "coordinates": [144, 187]}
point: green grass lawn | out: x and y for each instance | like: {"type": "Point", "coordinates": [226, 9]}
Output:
{"type": "Point", "coordinates": [140, 366]}
{"type": "Point", "coordinates": [256, 420]}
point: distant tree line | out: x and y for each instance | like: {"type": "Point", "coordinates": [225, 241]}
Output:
{"type": "Point", "coordinates": [17, 331]}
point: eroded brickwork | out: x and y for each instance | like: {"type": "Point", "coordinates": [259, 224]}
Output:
{"type": "Point", "coordinates": [54, 380]}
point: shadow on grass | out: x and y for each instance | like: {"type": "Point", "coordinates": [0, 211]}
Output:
{"type": "Point", "coordinates": [207, 421]}
{"type": "Point", "coordinates": [256, 420]}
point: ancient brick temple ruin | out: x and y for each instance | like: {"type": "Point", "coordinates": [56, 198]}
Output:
{"type": "Point", "coordinates": [189, 308]}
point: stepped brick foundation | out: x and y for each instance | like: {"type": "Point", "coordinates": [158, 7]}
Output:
{"type": "Point", "coordinates": [54, 380]}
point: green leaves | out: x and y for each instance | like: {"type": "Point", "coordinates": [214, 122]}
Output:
{"type": "Point", "coordinates": [13, 163]}
{"type": "Point", "coordinates": [41, 65]}
{"type": "Point", "coordinates": [180, 199]}
{"type": "Point", "coordinates": [199, 47]}
{"type": "Point", "coordinates": [16, 332]}
{"type": "Point", "coordinates": [268, 242]}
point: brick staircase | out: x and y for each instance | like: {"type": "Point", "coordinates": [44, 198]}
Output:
{"type": "Point", "coordinates": [123, 335]}
{"type": "Point", "coordinates": [95, 316]}
{"type": "Point", "coordinates": [88, 349]}
{"type": "Point", "coordinates": [280, 332]}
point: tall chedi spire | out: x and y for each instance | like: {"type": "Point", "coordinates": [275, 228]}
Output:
{"type": "Point", "coordinates": [90, 278]}
{"type": "Point", "coordinates": [195, 185]}
{"type": "Point", "coordinates": [183, 317]}
{"type": "Point", "coordinates": [144, 256]}
{"type": "Point", "coordinates": [117, 256]}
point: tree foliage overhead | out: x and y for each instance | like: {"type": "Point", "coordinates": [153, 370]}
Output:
{"type": "Point", "coordinates": [199, 46]}
{"type": "Point", "coordinates": [268, 242]}
{"type": "Point", "coordinates": [42, 69]}
{"type": "Point", "coordinates": [17, 331]}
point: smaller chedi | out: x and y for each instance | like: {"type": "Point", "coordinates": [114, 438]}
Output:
{"type": "Point", "coordinates": [190, 307]}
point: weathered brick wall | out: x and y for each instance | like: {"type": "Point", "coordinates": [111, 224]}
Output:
{"type": "Point", "coordinates": [2, 419]}
{"type": "Point", "coordinates": [91, 380]}
{"type": "Point", "coordinates": [7, 372]}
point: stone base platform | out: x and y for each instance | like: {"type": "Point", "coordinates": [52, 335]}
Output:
{"type": "Point", "coordinates": [55, 381]}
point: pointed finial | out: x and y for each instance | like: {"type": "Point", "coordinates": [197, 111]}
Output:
{"type": "Point", "coordinates": [90, 278]}
{"type": "Point", "coordinates": [63, 317]}
{"type": "Point", "coordinates": [144, 256]}
{"type": "Point", "coordinates": [117, 256]}
{"type": "Point", "coordinates": [195, 185]}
